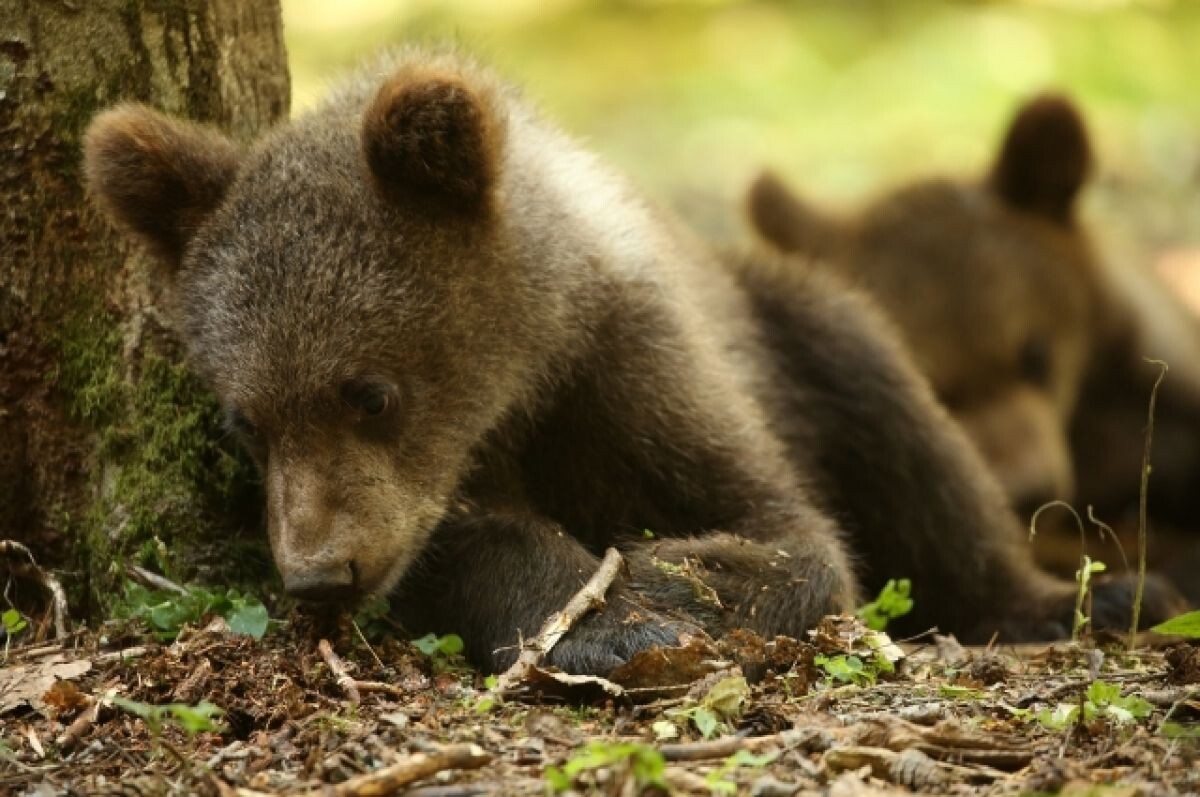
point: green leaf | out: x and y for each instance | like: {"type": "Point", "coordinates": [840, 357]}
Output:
{"type": "Point", "coordinates": [1185, 625]}
{"type": "Point", "coordinates": [194, 719]}
{"type": "Point", "coordinates": [556, 779]}
{"type": "Point", "coordinates": [646, 764]}
{"type": "Point", "coordinates": [705, 721]}
{"type": "Point", "coordinates": [427, 644]}
{"type": "Point", "coordinates": [249, 619]}
{"type": "Point", "coordinates": [434, 645]}
{"type": "Point", "coordinates": [745, 758]}
{"type": "Point", "coordinates": [894, 601]}
{"type": "Point", "coordinates": [1102, 693]}
{"type": "Point", "coordinates": [14, 623]}
{"type": "Point", "coordinates": [168, 612]}
{"type": "Point", "coordinates": [846, 669]}
{"type": "Point", "coordinates": [1063, 715]}
{"type": "Point", "coordinates": [727, 697]}
{"type": "Point", "coordinates": [665, 730]}
{"type": "Point", "coordinates": [450, 644]}
{"type": "Point", "coordinates": [191, 718]}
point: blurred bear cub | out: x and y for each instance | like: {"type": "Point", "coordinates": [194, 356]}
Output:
{"type": "Point", "coordinates": [467, 358]}
{"type": "Point", "coordinates": [1035, 343]}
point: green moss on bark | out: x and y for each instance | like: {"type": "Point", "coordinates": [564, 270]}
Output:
{"type": "Point", "coordinates": [165, 478]}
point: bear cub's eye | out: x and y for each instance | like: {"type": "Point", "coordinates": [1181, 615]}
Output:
{"type": "Point", "coordinates": [372, 398]}
{"type": "Point", "coordinates": [1035, 361]}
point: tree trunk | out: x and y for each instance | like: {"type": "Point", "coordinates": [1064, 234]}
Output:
{"type": "Point", "coordinates": [108, 446]}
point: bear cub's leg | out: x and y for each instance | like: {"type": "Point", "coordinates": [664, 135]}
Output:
{"type": "Point", "coordinates": [494, 579]}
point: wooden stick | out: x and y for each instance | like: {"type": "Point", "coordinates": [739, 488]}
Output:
{"type": "Point", "coordinates": [153, 580]}
{"type": "Point", "coordinates": [390, 779]}
{"type": "Point", "coordinates": [380, 687]}
{"type": "Point", "coordinates": [808, 739]}
{"type": "Point", "coordinates": [81, 725]}
{"type": "Point", "coordinates": [339, 671]}
{"type": "Point", "coordinates": [589, 597]}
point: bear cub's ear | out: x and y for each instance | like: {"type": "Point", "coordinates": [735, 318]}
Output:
{"type": "Point", "coordinates": [1045, 158]}
{"type": "Point", "coordinates": [787, 221]}
{"type": "Point", "coordinates": [157, 176]}
{"type": "Point", "coordinates": [430, 138]}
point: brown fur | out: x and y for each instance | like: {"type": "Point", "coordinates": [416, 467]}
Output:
{"type": "Point", "coordinates": [1033, 342]}
{"type": "Point", "coordinates": [160, 178]}
{"type": "Point", "coordinates": [428, 137]}
{"type": "Point", "coordinates": [464, 410]}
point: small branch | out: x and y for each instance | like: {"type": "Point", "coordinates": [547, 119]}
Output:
{"type": "Point", "coordinates": [134, 652]}
{"type": "Point", "coordinates": [807, 739]}
{"type": "Point", "coordinates": [153, 580]}
{"type": "Point", "coordinates": [20, 562]}
{"type": "Point", "coordinates": [380, 687]}
{"type": "Point", "coordinates": [81, 725]}
{"type": "Point", "coordinates": [590, 597]}
{"type": "Point", "coordinates": [339, 671]}
{"type": "Point", "coordinates": [390, 779]}
{"type": "Point", "coordinates": [371, 650]}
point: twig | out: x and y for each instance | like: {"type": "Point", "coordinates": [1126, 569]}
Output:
{"type": "Point", "coordinates": [1143, 491]}
{"type": "Point", "coordinates": [380, 687]}
{"type": "Point", "coordinates": [590, 597]}
{"type": "Point", "coordinates": [390, 779]}
{"type": "Point", "coordinates": [20, 561]}
{"type": "Point", "coordinates": [1083, 575]}
{"type": "Point", "coordinates": [370, 649]}
{"type": "Point", "coordinates": [807, 739]}
{"type": "Point", "coordinates": [81, 725]}
{"type": "Point", "coordinates": [121, 655]}
{"type": "Point", "coordinates": [153, 580]}
{"type": "Point", "coordinates": [339, 671]}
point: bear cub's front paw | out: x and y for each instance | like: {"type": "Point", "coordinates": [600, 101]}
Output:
{"type": "Point", "coordinates": [605, 640]}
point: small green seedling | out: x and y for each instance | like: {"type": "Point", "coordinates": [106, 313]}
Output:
{"type": "Point", "coordinates": [894, 601]}
{"type": "Point", "coordinates": [724, 702]}
{"type": "Point", "coordinates": [192, 719]}
{"type": "Point", "coordinates": [642, 761]}
{"type": "Point", "coordinates": [1103, 701]}
{"type": "Point", "coordinates": [718, 781]}
{"type": "Point", "coordinates": [847, 668]}
{"type": "Point", "coordinates": [1083, 576]}
{"type": "Point", "coordinates": [167, 612]}
{"type": "Point", "coordinates": [487, 701]}
{"type": "Point", "coordinates": [434, 645]}
{"type": "Point", "coordinates": [1185, 625]}
{"type": "Point", "coordinates": [444, 652]}
{"type": "Point", "coordinates": [13, 622]}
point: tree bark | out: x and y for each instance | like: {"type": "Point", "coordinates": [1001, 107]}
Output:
{"type": "Point", "coordinates": [108, 446]}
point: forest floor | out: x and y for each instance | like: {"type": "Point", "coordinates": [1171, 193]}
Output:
{"type": "Point", "coordinates": [845, 712]}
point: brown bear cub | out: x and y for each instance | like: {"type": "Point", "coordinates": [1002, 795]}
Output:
{"type": "Point", "coordinates": [1034, 343]}
{"type": "Point", "coordinates": [468, 358]}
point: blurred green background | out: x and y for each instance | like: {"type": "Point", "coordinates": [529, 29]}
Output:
{"type": "Point", "coordinates": [693, 97]}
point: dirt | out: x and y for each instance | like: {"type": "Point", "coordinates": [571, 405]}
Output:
{"type": "Point", "coordinates": [948, 720]}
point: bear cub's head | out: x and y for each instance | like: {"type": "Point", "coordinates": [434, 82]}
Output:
{"type": "Point", "coordinates": [346, 287]}
{"type": "Point", "coordinates": [992, 282]}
